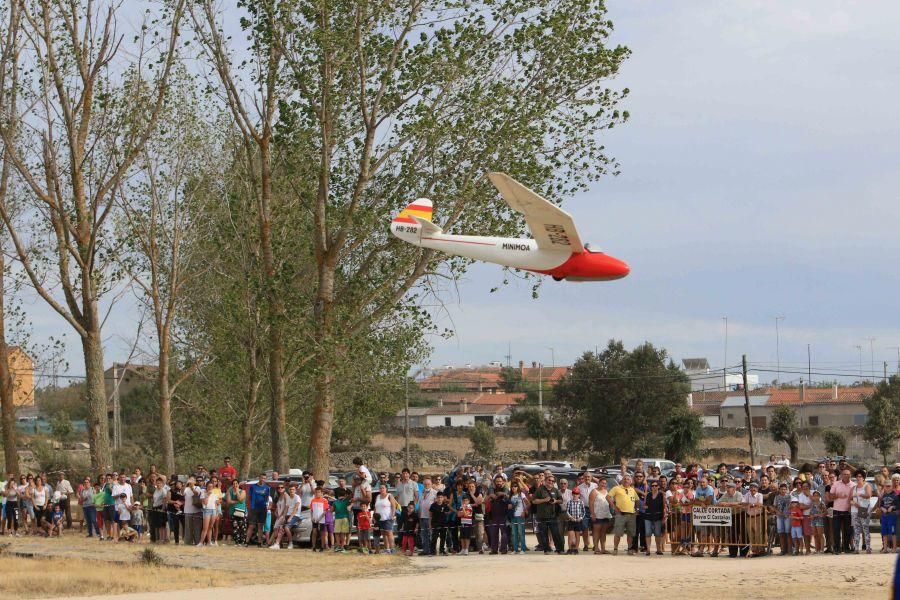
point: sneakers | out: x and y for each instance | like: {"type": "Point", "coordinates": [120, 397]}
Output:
{"type": "Point", "coordinates": [290, 545]}
{"type": "Point", "coordinates": [275, 547]}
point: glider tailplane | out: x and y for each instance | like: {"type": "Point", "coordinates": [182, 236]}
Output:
{"type": "Point", "coordinates": [414, 222]}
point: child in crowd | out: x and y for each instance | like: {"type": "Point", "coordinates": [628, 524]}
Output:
{"type": "Point", "coordinates": [440, 513]}
{"type": "Point", "coordinates": [364, 526]}
{"type": "Point", "coordinates": [137, 520]}
{"type": "Point", "coordinates": [796, 527]}
{"type": "Point", "coordinates": [817, 514]}
{"type": "Point", "coordinates": [56, 518]}
{"type": "Point", "coordinates": [781, 506]}
{"type": "Point", "coordinates": [408, 526]}
{"type": "Point", "coordinates": [465, 520]}
{"type": "Point", "coordinates": [124, 517]}
{"type": "Point", "coordinates": [126, 532]}
{"type": "Point", "coordinates": [341, 509]}
{"type": "Point", "coordinates": [318, 507]}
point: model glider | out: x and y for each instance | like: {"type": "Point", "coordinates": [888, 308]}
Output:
{"type": "Point", "coordinates": [555, 250]}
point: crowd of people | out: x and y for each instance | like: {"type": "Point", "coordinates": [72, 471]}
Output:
{"type": "Point", "coordinates": [825, 508]}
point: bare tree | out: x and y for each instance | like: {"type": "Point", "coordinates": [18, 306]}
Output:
{"type": "Point", "coordinates": [89, 124]}
{"type": "Point", "coordinates": [255, 113]}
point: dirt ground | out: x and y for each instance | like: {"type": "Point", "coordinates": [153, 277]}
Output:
{"type": "Point", "coordinates": [323, 576]}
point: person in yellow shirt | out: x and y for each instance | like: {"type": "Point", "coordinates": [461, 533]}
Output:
{"type": "Point", "coordinates": [622, 499]}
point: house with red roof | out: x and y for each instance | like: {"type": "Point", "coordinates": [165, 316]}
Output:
{"type": "Point", "coordinates": [834, 406]}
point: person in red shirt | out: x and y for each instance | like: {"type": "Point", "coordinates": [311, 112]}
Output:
{"type": "Point", "coordinates": [228, 471]}
{"type": "Point", "coordinates": [317, 509]}
{"type": "Point", "coordinates": [364, 526]}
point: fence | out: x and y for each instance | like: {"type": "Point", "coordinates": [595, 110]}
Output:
{"type": "Point", "coordinates": [700, 529]}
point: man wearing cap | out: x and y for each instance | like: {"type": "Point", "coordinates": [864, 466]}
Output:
{"type": "Point", "coordinates": [756, 523]}
{"type": "Point", "coordinates": [545, 499]}
{"type": "Point", "coordinates": [734, 499]}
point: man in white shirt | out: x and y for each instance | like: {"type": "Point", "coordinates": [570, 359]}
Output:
{"type": "Point", "coordinates": [193, 520]}
{"type": "Point", "coordinates": [65, 493]}
{"type": "Point", "coordinates": [429, 494]}
{"type": "Point", "coordinates": [756, 519]}
{"type": "Point", "coordinates": [585, 487]}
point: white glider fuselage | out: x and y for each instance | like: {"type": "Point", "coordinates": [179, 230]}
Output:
{"type": "Point", "coordinates": [517, 253]}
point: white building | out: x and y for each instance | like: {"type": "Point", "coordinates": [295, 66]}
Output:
{"type": "Point", "coordinates": [461, 415]}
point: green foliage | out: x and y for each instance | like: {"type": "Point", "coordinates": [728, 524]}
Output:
{"type": "Point", "coordinates": [835, 442]}
{"type": "Point", "coordinates": [69, 399]}
{"type": "Point", "coordinates": [618, 401]}
{"type": "Point", "coordinates": [883, 425]}
{"type": "Point", "coordinates": [783, 428]}
{"type": "Point", "coordinates": [683, 434]}
{"type": "Point", "coordinates": [51, 460]}
{"type": "Point", "coordinates": [534, 422]}
{"type": "Point", "coordinates": [484, 444]}
{"type": "Point", "coordinates": [61, 426]}
{"type": "Point", "coordinates": [510, 380]}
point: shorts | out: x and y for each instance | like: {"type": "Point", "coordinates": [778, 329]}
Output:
{"type": "Point", "coordinates": [586, 522]}
{"type": "Point", "coordinates": [279, 522]}
{"type": "Point", "coordinates": [796, 532]}
{"type": "Point", "coordinates": [293, 522]}
{"type": "Point", "coordinates": [602, 521]}
{"type": "Point", "coordinates": [320, 527]}
{"type": "Point", "coordinates": [783, 525]}
{"type": "Point", "coordinates": [818, 522]}
{"type": "Point", "coordinates": [209, 512]}
{"type": "Point", "coordinates": [576, 526]}
{"type": "Point", "coordinates": [386, 525]}
{"type": "Point", "coordinates": [465, 532]}
{"type": "Point", "coordinates": [342, 525]}
{"type": "Point", "coordinates": [257, 516]}
{"type": "Point", "coordinates": [686, 517]}
{"type": "Point", "coordinates": [625, 522]}
{"type": "Point", "coordinates": [27, 507]}
{"type": "Point", "coordinates": [889, 524]}
{"type": "Point", "coordinates": [109, 514]}
{"type": "Point", "coordinates": [365, 535]}
{"type": "Point", "coordinates": [807, 526]}
{"type": "Point", "coordinates": [329, 526]}
{"type": "Point", "coordinates": [653, 527]}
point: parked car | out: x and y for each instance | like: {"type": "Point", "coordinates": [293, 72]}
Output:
{"type": "Point", "coordinates": [665, 466]}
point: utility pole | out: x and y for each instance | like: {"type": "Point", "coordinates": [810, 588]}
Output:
{"type": "Point", "coordinates": [897, 348]}
{"type": "Point", "coordinates": [808, 364]}
{"type": "Point", "coordinates": [778, 347]}
{"type": "Point", "coordinates": [885, 370]}
{"type": "Point", "coordinates": [552, 357]}
{"type": "Point", "coordinates": [725, 366]}
{"type": "Point", "coordinates": [747, 410]}
{"type": "Point", "coordinates": [859, 348]}
{"type": "Point", "coordinates": [872, 355]}
{"type": "Point", "coordinates": [541, 388]}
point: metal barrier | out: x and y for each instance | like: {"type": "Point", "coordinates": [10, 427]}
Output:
{"type": "Point", "coordinates": [698, 530]}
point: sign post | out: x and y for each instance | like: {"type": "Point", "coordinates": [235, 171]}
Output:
{"type": "Point", "coordinates": [712, 516]}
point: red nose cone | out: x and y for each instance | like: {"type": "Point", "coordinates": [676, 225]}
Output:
{"type": "Point", "coordinates": [622, 267]}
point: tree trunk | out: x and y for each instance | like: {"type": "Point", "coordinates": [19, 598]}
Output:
{"type": "Point", "coordinates": [247, 421]}
{"type": "Point", "coordinates": [95, 396]}
{"type": "Point", "coordinates": [323, 415]}
{"type": "Point", "coordinates": [10, 450]}
{"type": "Point", "coordinates": [280, 446]}
{"type": "Point", "coordinates": [165, 410]}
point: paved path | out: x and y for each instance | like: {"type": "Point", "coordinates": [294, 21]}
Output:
{"type": "Point", "coordinates": [587, 576]}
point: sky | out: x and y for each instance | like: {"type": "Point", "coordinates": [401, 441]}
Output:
{"type": "Point", "coordinates": [759, 178]}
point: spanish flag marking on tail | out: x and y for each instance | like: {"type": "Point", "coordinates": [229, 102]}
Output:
{"type": "Point", "coordinates": [421, 208]}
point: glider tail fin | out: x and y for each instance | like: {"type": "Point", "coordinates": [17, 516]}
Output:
{"type": "Point", "coordinates": [414, 222]}
{"type": "Point", "coordinates": [421, 208]}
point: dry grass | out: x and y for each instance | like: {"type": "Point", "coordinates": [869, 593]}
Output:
{"type": "Point", "coordinates": [56, 577]}
{"type": "Point", "coordinates": [75, 566]}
